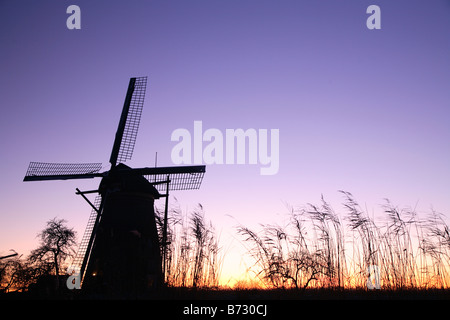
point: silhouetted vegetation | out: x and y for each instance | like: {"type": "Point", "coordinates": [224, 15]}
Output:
{"type": "Point", "coordinates": [319, 248]}
{"type": "Point", "coordinates": [193, 258]}
{"type": "Point", "coordinates": [44, 266]}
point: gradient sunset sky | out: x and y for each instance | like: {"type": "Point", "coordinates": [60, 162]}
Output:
{"type": "Point", "coordinates": [366, 111]}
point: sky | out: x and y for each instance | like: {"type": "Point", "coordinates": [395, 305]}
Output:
{"type": "Point", "coordinates": [357, 109]}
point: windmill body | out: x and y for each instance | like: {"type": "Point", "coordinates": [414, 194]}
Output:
{"type": "Point", "coordinates": [125, 255]}
{"type": "Point", "coordinates": [121, 251]}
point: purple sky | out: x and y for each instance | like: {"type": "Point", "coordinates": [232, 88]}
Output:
{"type": "Point", "coordinates": [366, 111]}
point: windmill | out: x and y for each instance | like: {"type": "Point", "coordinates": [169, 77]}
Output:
{"type": "Point", "coordinates": [120, 250]}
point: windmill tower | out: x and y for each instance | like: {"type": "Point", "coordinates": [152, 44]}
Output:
{"type": "Point", "coordinates": [120, 251]}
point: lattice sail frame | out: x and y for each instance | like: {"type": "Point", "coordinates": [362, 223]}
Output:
{"type": "Point", "coordinates": [178, 181]}
{"type": "Point", "coordinates": [133, 120]}
{"type": "Point", "coordinates": [41, 169]}
{"type": "Point", "coordinates": [83, 246]}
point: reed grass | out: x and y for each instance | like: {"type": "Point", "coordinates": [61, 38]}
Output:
{"type": "Point", "coordinates": [319, 248]}
{"type": "Point", "coordinates": [193, 256]}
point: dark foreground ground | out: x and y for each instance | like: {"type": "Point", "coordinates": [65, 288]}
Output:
{"type": "Point", "coordinates": [176, 303]}
{"type": "Point", "coordinates": [236, 295]}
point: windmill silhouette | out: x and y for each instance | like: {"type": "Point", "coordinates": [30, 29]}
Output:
{"type": "Point", "coordinates": [120, 251]}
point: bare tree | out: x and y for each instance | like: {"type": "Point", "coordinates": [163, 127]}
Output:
{"type": "Point", "coordinates": [56, 244]}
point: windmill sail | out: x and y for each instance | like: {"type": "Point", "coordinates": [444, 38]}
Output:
{"type": "Point", "coordinates": [181, 178]}
{"type": "Point", "coordinates": [82, 256]}
{"type": "Point", "coordinates": [38, 171]}
{"type": "Point", "coordinates": [129, 121]}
